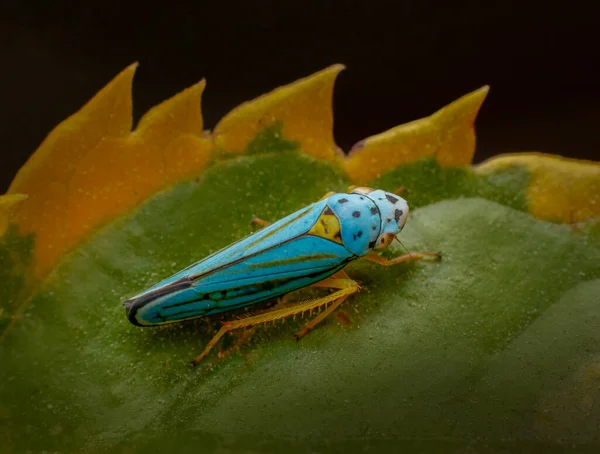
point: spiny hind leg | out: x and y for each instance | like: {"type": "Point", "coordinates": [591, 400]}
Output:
{"type": "Point", "coordinates": [247, 333]}
{"type": "Point", "coordinates": [338, 280]}
{"type": "Point", "coordinates": [341, 274]}
{"type": "Point", "coordinates": [373, 257]}
{"type": "Point", "coordinates": [346, 287]}
{"type": "Point", "coordinates": [283, 301]}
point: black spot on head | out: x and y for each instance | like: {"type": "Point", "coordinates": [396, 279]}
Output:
{"type": "Point", "coordinates": [362, 198]}
{"type": "Point", "coordinates": [328, 211]}
{"type": "Point", "coordinates": [342, 200]}
{"type": "Point", "coordinates": [391, 198]}
{"type": "Point", "coordinates": [389, 220]}
{"type": "Point", "coordinates": [374, 228]}
{"type": "Point", "coordinates": [372, 244]}
{"type": "Point", "coordinates": [356, 214]}
{"type": "Point", "coordinates": [398, 214]}
{"type": "Point", "coordinates": [374, 210]}
{"type": "Point", "coordinates": [359, 234]}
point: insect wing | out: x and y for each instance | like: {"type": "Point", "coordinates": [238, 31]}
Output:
{"type": "Point", "coordinates": [288, 227]}
{"type": "Point", "coordinates": [295, 264]}
{"type": "Point", "coordinates": [275, 260]}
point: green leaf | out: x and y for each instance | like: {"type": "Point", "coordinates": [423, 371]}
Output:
{"type": "Point", "coordinates": [270, 139]}
{"type": "Point", "coordinates": [15, 257]}
{"type": "Point", "coordinates": [428, 182]}
{"type": "Point", "coordinates": [494, 348]}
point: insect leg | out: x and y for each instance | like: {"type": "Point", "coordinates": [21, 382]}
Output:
{"type": "Point", "coordinates": [242, 339]}
{"type": "Point", "coordinates": [258, 221]}
{"type": "Point", "coordinates": [338, 280]}
{"type": "Point", "coordinates": [373, 257]}
{"type": "Point", "coordinates": [346, 287]}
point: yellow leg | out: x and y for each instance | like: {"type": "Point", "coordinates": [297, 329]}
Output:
{"type": "Point", "coordinates": [346, 287]}
{"type": "Point", "coordinates": [281, 303]}
{"type": "Point", "coordinates": [322, 316]}
{"type": "Point", "coordinates": [373, 257]}
{"type": "Point", "coordinates": [258, 221]}
{"type": "Point", "coordinates": [246, 334]}
{"type": "Point", "coordinates": [340, 275]}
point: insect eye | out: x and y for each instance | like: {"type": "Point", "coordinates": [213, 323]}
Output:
{"type": "Point", "coordinates": [384, 241]}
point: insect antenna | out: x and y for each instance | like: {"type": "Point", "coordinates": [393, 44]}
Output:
{"type": "Point", "coordinates": [398, 240]}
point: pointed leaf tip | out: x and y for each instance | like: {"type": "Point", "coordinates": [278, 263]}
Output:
{"type": "Point", "coordinates": [47, 175]}
{"type": "Point", "coordinates": [107, 114]}
{"type": "Point", "coordinates": [92, 168]}
{"type": "Point", "coordinates": [560, 189]}
{"type": "Point", "coordinates": [168, 146]}
{"type": "Point", "coordinates": [178, 115]}
{"type": "Point", "coordinates": [448, 135]}
{"type": "Point", "coordinates": [303, 109]}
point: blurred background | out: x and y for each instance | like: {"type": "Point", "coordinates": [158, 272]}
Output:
{"type": "Point", "coordinates": [405, 59]}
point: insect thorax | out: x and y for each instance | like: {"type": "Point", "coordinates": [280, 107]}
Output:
{"type": "Point", "coordinates": [351, 220]}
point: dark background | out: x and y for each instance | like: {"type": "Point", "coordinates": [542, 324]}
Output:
{"type": "Point", "coordinates": [405, 59]}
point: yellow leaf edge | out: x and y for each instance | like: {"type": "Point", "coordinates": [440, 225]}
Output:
{"type": "Point", "coordinates": [303, 108]}
{"type": "Point", "coordinates": [448, 135]}
{"type": "Point", "coordinates": [560, 189]}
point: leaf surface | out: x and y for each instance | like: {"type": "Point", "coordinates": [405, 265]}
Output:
{"type": "Point", "coordinates": [494, 348]}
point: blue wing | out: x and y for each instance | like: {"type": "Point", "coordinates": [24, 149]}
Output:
{"type": "Point", "coordinates": [273, 261]}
